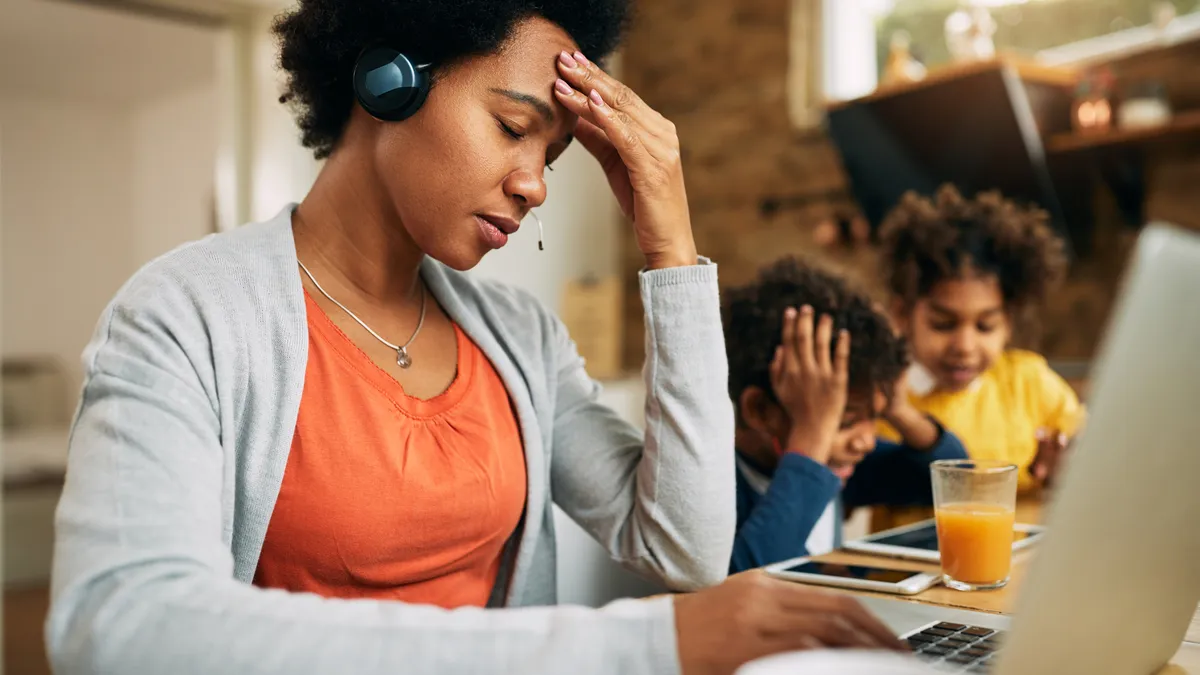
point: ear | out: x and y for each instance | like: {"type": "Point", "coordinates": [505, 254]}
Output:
{"type": "Point", "coordinates": [758, 412]}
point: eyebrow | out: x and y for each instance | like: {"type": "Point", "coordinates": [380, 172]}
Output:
{"type": "Point", "coordinates": [536, 103]}
{"type": "Point", "coordinates": [943, 310]}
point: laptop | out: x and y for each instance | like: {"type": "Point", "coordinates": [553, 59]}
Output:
{"type": "Point", "coordinates": [1117, 578]}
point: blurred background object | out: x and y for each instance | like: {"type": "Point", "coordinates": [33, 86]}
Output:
{"type": "Point", "coordinates": [1092, 109]}
{"type": "Point", "coordinates": [902, 66]}
{"type": "Point", "coordinates": [1145, 106]}
{"type": "Point", "coordinates": [35, 394]}
{"type": "Point", "coordinates": [591, 311]}
{"type": "Point", "coordinates": [969, 32]}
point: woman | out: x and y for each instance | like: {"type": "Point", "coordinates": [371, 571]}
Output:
{"type": "Point", "coordinates": [313, 445]}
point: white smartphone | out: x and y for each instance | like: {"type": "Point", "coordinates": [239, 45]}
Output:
{"type": "Point", "coordinates": [919, 541]}
{"type": "Point", "coordinates": [860, 577]}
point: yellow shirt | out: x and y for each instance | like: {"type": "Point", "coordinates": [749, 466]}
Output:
{"type": "Point", "coordinates": [997, 417]}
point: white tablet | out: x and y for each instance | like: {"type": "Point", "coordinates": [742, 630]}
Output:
{"type": "Point", "coordinates": [860, 577]}
{"type": "Point", "coordinates": [919, 541]}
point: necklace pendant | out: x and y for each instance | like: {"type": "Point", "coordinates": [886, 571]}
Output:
{"type": "Point", "coordinates": [402, 358]}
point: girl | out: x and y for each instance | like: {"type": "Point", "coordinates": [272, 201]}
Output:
{"type": "Point", "coordinates": [959, 272]}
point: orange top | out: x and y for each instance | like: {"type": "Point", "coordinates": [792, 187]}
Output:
{"type": "Point", "coordinates": [390, 497]}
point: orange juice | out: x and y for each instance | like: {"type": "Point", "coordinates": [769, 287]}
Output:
{"type": "Point", "coordinates": [975, 541]}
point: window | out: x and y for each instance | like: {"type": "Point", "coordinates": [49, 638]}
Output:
{"type": "Point", "coordinates": [856, 35]}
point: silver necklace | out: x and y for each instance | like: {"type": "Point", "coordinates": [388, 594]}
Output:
{"type": "Point", "coordinates": [402, 358]}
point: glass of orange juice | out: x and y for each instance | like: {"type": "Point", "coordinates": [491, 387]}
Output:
{"type": "Point", "coordinates": [974, 502]}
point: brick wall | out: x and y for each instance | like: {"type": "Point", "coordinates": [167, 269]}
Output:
{"type": "Point", "coordinates": [759, 188]}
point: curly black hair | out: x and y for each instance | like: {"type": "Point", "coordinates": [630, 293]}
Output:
{"type": "Point", "coordinates": [753, 319]}
{"type": "Point", "coordinates": [321, 39]}
{"type": "Point", "coordinates": [927, 241]}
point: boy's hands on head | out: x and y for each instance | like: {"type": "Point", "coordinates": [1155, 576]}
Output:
{"type": "Point", "coordinates": [810, 381]}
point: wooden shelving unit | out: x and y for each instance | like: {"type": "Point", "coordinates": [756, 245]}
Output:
{"type": "Point", "coordinates": [1183, 126]}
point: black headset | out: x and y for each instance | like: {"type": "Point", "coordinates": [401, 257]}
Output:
{"type": "Point", "coordinates": [390, 85]}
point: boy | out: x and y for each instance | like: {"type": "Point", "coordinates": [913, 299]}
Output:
{"type": "Point", "coordinates": [812, 365]}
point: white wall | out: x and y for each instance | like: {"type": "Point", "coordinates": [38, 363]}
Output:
{"type": "Point", "coordinates": [66, 222]}
{"type": "Point", "coordinates": [92, 191]}
{"type": "Point", "coordinates": [174, 151]}
{"type": "Point", "coordinates": [281, 170]}
{"type": "Point", "coordinates": [108, 158]}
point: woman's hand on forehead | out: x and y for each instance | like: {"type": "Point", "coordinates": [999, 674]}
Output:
{"type": "Point", "coordinates": [639, 151]}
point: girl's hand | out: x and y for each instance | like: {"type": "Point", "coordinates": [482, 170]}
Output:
{"type": "Point", "coordinates": [639, 152]}
{"type": "Point", "coordinates": [898, 405]}
{"type": "Point", "coordinates": [1051, 457]}
{"type": "Point", "coordinates": [915, 428]}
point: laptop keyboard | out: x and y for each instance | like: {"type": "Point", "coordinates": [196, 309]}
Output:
{"type": "Point", "coordinates": [956, 647]}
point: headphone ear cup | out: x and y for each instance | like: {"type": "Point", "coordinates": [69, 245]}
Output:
{"type": "Point", "coordinates": [388, 84]}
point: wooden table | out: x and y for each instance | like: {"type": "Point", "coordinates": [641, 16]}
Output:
{"type": "Point", "coordinates": [996, 602]}
{"type": "Point", "coordinates": [1002, 601]}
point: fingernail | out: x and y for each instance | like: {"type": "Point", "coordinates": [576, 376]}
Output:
{"type": "Point", "coordinates": [565, 59]}
{"type": "Point", "coordinates": [580, 57]}
{"type": "Point", "coordinates": [595, 96]}
{"type": "Point", "coordinates": [806, 310]}
{"type": "Point", "coordinates": [790, 312]}
{"type": "Point", "coordinates": [562, 86]}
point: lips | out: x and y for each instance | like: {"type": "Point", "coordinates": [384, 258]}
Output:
{"type": "Point", "coordinates": [505, 224]}
{"type": "Point", "coordinates": [960, 375]}
{"type": "Point", "coordinates": [495, 229]}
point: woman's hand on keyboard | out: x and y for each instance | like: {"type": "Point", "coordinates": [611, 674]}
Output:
{"type": "Point", "coordinates": [752, 615]}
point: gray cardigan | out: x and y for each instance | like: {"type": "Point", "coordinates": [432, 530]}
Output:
{"type": "Point", "coordinates": [192, 386]}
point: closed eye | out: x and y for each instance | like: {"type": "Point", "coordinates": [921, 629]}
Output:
{"type": "Point", "coordinates": [516, 136]}
{"type": "Point", "coordinates": [511, 132]}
